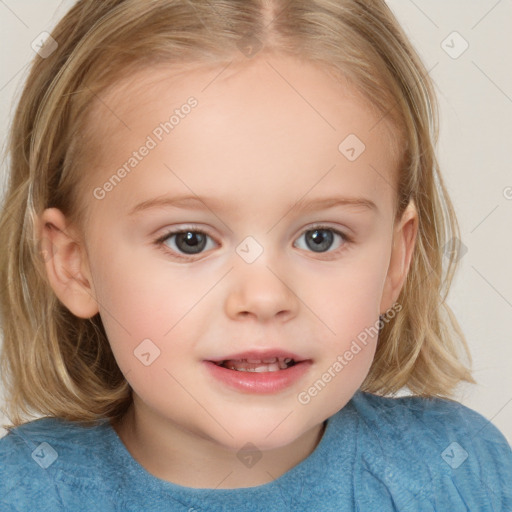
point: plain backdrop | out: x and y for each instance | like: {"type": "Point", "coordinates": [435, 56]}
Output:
{"type": "Point", "coordinates": [466, 46]}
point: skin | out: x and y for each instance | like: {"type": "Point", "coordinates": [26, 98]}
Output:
{"type": "Point", "coordinates": [256, 144]}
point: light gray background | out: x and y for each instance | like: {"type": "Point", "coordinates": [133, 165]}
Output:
{"type": "Point", "coordinates": [475, 96]}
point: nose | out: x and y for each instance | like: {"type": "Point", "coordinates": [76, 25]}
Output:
{"type": "Point", "coordinates": [257, 290]}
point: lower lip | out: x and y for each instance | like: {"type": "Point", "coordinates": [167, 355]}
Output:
{"type": "Point", "coordinates": [256, 382]}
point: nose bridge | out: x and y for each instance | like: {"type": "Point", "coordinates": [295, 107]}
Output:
{"type": "Point", "coordinates": [259, 284]}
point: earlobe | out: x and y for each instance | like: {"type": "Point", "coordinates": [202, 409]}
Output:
{"type": "Point", "coordinates": [66, 264]}
{"type": "Point", "coordinates": [401, 256]}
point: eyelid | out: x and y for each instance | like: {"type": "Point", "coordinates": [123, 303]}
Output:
{"type": "Point", "coordinates": [325, 226]}
{"type": "Point", "coordinates": [182, 229]}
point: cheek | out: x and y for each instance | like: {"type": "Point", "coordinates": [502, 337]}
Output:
{"type": "Point", "coordinates": [349, 309]}
{"type": "Point", "coordinates": [352, 293]}
{"type": "Point", "coordinates": [140, 301]}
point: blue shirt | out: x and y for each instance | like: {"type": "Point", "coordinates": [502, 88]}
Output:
{"type": "Point", "coordinates": [377, 454]}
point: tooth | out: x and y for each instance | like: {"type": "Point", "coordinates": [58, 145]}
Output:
{"type": "Point", "coordinates": [288, 360]}
{"type": "Point", "coordinates": [253, 361]}
{"type": "Point", "coordinates": [270, 360]}
{"type": "Point", "coordinates": [267, 368]}
{"type": "Point", "coordinates": [274, 367]}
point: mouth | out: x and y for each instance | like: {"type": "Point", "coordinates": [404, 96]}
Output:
{"type": "Point", "coordinates": [259, 372]}
{"type": "Point", "coordinates": [271, 364]}
{"type": "Point", "coordinates": [259, 362]}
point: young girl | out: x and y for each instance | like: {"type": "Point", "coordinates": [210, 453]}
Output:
{"type": "Point", "coordinates": [224, 251]}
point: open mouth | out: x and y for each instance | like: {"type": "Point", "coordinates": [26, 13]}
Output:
{"type": "Point", "coordinates": [259, 372]}
{"type": "Point", "coordinates": [271, 364]}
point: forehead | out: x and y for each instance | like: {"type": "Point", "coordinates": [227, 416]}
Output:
{"type": "Point", "coordinates": [266, 119]}
{"type": "Point", "coordinates": [322, 96]}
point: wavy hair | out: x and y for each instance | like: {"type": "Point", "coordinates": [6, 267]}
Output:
{"type": "Point", "coordinates": [55, 364]}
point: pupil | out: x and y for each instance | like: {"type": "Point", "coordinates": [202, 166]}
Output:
{"type": "Point", "coordinates": [322, 239]}
{"type": "Point", "coordinates": [190, 242]}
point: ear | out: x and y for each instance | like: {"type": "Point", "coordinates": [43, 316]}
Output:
{"type": "Point", "coordinates": [404, 238]}
{"type": "Point", "coordinates": [66, 263]}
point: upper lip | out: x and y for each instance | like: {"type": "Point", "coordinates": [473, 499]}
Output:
{"type": "Point", "coordinates": [260, 355]}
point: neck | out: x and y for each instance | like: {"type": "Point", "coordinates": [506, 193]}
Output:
{"type": "Point", "coordinates": [177, 455]}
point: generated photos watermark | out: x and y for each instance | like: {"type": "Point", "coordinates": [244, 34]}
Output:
{"type": "Point", "coordinates": [342, 360]}
{"type": "Point", "coordinates": [157, 135]}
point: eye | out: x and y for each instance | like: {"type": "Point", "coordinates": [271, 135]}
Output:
{"type": "Point", "coordinates": [185, 241]}
{"type": "Point", "coordinates": [321, 238]}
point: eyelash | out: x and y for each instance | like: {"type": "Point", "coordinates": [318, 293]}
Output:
{"type": "Point", "coordinates": [159, 242]}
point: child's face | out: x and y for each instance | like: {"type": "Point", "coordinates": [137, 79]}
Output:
{"type": "Point", "coordinates": [258, 141]}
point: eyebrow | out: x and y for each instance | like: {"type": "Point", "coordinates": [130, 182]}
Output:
{"type": "Point", "coordinates": [208, 203]}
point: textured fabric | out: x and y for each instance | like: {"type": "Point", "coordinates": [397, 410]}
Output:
{"type": "Point", "coordinates": [377, 454]}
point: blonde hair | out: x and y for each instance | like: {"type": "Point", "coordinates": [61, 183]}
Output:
{"type": "Point", "coordinates": [56, 364]}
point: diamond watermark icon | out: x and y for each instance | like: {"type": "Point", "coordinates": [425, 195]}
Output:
{"type": "Point", "coordinates": [44, 45]}
{"type": "Point", "coordinates": [146, 352]}
{"type": "Point", "coordinates": [249, 249]}
{"type": "Point", "coordinates": [456, 247]}
{"type": "Point", "coordinates": [454, 45]}
{"type": "Point", "coordinates": [45, 455]}
{"type": "Point", "coordinates": [352, 147]}
{"type": "Point", "coordinates": [249, 455]}
{"type": "Point", "coordinates": [249, 45]}
{"type": "Point", "coordinates": [454, 455]}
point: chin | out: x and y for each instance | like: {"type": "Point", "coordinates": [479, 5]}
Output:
{"type": "Point", "coordinates": [269, 434]}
